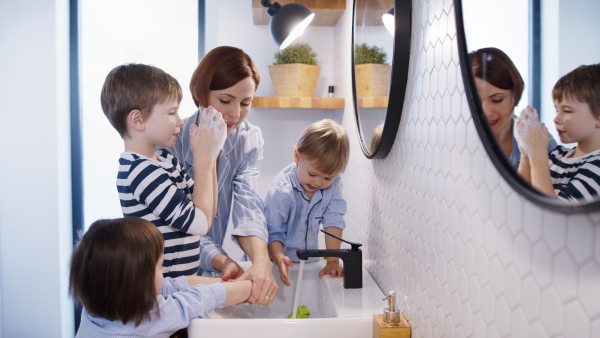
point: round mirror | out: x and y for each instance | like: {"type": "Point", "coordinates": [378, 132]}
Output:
{"type": "Point", "coordinates": [511, 57]}
{"type": "Point", "coordinates": [380, 56]}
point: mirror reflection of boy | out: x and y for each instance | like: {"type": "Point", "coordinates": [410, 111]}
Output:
{"type": "Point", "coordinates": [306, 194]}
{"type": "Point", "coordinates": [570, 174]}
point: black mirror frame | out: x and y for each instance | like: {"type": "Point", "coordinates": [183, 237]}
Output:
{"type": "Point", "coordinates": [398, 83]}
{"type": "Point", "coordinates": [489, 140]}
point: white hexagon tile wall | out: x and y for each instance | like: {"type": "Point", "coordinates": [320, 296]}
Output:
{"type": "Point", "coordinates": [441, 226]}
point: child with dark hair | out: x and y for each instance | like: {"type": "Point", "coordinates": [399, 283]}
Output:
{"type": "Point", "coordinates": [570, 174]}
{"type": "Point", "coordinates": [116, 273]}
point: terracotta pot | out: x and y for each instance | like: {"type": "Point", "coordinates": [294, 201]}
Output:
{"type": "Point", "coordinates": [295, 79]}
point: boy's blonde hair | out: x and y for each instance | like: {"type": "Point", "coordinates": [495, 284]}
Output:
{"type": "Point", "coordinates": [326, 143]}
{"type": "Point", "coordinates": [581, 84]}
{"type": "Point", "coordinates": [135, 86]}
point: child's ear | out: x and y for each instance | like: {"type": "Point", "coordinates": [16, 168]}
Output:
{"type": "Point", "coordinates": [135, 120]}
{"type": "Point", "coordinates": [296, 156]}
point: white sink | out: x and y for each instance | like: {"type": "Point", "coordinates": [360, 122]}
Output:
{"type": "Point", "coordinates": [335, 311]}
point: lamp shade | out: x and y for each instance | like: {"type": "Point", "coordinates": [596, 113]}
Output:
{"type": "Point", "coordinates": [288, 22]}
{"type": "Point", "coordinates": [388, 21]}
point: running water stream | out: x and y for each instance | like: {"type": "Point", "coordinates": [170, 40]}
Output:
{"type": "Point", "coordinates": [297, 293]}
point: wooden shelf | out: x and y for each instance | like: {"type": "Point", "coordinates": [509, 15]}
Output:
{"type": "Point", "coordinates": [373, 102]}
{"type": "Point", "coordinates": [298, 102]}
{"type": "Point", "coordinates": [327, 12]}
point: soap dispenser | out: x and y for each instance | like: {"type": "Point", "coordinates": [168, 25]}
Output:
{"type": "Point", "coordinates": [390, 324]}
{"type": "Point", "coordinates": [391, 314]}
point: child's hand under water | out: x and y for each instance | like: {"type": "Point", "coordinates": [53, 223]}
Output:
{"type": "Point", "coordinates": [283, 263]}
{"type": "Point", "coordinates": [332, 268]}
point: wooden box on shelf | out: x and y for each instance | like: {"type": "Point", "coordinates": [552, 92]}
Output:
{"type": "Point", "coordinates": [294, 79]}
{"type": "Point", "coordinates": [298, 102]}
{"type": "Point", "coordinates": [373, 80]}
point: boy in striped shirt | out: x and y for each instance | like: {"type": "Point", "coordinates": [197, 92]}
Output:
{"type": "Point", "coordinates": [568, 174]}
{"type": "Point", "coordinates": [142, 102]}
{"type": "Point", "coordinates": [305, 195]}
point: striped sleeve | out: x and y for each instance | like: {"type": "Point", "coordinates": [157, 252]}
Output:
{"type": "Point", "coordinates": [156, 189]}
{"type": "Point", "coordinates": [575, 180]}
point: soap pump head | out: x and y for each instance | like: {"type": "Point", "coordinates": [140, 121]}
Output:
{"type": "Point", "coordinates": [391, 314]}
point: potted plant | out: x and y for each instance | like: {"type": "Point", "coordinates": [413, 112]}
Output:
{"type": "Point", "coordinates": [372, 72]}
{"type": "Point", "coordinates": [295, 72]}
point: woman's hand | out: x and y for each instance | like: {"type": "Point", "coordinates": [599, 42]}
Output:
{"type": "Point", "coordinates": [264, 288]}
{"type": "Point", "coordinates": [208, 137]}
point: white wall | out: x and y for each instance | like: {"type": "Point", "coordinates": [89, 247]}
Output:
{"type": "Point", "coordinates": [569, 39]}
{"type": "Point", "coordinates": [35, 218]}
{"type": "Point", "coordinates": [155, 32]}
{"type": "Point", "coordinates": [232, 25]}
{"type": "Point", "coordinates": [440, 225]}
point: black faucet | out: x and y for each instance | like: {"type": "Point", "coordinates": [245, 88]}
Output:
{"type": "Point", "coordinates": [352, 261]}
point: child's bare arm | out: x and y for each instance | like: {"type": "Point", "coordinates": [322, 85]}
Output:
{"type": "Point", "coordinates": [237, 291]}
{"type": "Point", "coordinates": [215, 190]}
{"type": "Point", "coordinates": [525, 167]}
{"type": "Point", "coordinates": [540, 174]}
{"type": "Point", "coordinates": [206, 141]}
{"type": "Point", "coordinates": [333, 266]}
{"type": "Point", "coordinates": [195, 280]}
{"type": "Point", "coordinates": [533, 139]}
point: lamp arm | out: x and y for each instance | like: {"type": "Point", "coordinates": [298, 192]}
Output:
{"type": "Point", "coordinates": [265, 3]}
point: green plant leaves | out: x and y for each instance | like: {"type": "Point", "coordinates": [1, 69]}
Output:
{"type": "Point", "coordinates": [369, 54]}
{"type": "Point", "coordinates": [296, 53]}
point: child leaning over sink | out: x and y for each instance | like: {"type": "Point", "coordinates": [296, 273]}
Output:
{"type": "Point", "coordinates": [306, 194]}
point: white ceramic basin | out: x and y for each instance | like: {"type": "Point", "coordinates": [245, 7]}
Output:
{"type": "Point", "coordinates": [335, 311]}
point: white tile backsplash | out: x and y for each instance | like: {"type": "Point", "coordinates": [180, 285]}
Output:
{"type": "Point", "coordinates": [440, 225]}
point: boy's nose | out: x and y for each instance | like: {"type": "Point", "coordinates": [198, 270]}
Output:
{"type": "Point", "coordinates": [558, 118]}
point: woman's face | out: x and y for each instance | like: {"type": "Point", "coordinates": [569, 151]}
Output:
{"type": "Point", "coordinates": [497, 106]}
{"type": "Point", "coordinates": [234, 102]}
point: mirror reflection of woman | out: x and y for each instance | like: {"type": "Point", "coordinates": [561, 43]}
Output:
{"type": "Point", "coordinates": [500, 87]}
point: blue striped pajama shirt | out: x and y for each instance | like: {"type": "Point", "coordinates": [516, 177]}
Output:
{"type": "Point", "coordinates": [161, 192]}
{"type": "Point", "coordinates": [294, 220]}
{"type": "Point", "coordinates": [178, 303]}
{"type": "Point", "coordinates": [237, 181]}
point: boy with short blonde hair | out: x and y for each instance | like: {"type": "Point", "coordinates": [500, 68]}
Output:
{"type": "Point", "coordinates": [142, 104]}
{"type": "Point", "coordinates": [569, 174]}
{"type": "Point", "coordinates": [306, 194]}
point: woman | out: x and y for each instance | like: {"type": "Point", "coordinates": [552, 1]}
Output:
{"type": "Point", "coordinates": [226, 79]}
{"type": "Point", "coordinates": [500, 87]}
